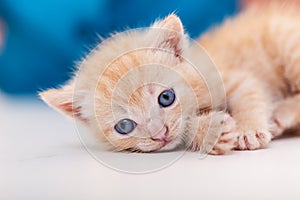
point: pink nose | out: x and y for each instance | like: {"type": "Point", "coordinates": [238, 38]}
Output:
{"type": "Point", "coordinates": [161, 135]}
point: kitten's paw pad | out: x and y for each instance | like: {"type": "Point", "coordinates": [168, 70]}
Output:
{"type": "Point", "coordinates": [228, 138]}
{"type": "Point", "coordinates": [251, 140]}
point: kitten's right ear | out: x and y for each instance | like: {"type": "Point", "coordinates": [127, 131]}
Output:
{"type": "Point", "coordinates": [62, 100]}
{"type": "Point", "coordinates": [169, 34]}
{"type": "Point", "coordinates": [172, 23]}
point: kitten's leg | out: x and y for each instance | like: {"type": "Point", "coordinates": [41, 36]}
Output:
{"type": "Point", "coordinates": [292, 62]}
{"type": "Point", "coordinates": [250, 107]}
{"type": "Point", "coordinates": [286, 115]}
{"type": "Point", "coordinates": [216, 134]}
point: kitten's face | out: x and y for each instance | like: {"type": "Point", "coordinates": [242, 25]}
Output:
{"type": "Point", "coordinates": [150, 120]}
{"type": "Point", "coordinates": [135, 90]}
{"type": "Point", "coordinates": [142, 103]}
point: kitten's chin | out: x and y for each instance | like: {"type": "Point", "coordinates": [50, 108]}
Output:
{"type": "Point", "coordinates": [162, 146]}
{"type": "Point", "coordinates": [171, 145]}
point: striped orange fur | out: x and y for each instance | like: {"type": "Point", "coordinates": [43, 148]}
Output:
{"type": "Point", "coordinates": [256, 53]}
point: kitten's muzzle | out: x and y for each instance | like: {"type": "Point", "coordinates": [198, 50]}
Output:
{"type": "Point", "coordinates": [162, 136]}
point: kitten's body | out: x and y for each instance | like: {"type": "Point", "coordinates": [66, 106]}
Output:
{"type": "Point", "coordinates": [256, 54]}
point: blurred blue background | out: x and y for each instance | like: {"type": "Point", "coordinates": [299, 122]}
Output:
{"type": "Point", "coordinates": [43, 39]}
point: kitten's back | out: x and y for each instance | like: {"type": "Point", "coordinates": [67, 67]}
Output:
{"type": "Point", "coordinates": [260, 40]}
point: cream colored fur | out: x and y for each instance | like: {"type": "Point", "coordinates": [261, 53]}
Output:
{"type": "Point", "coordinates": [256, 54]}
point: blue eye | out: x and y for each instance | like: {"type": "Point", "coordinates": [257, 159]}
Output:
{"type": "Point", "coordinates": [166, 98]}
{"type": "Point", "coordinates": [125, 126]}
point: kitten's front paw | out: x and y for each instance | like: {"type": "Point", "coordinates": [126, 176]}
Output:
{"type": "Point", "coordinates": [228, 139]}
{"type": "Point", "coordinates": [281, 122]}
{"type": "Point", "coordinates": [251, 140]}
{"type": "Point", "coordinates": [277, 128]}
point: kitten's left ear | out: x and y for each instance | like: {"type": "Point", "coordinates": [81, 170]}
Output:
{"type": "Point", "coordinates": [170, 34]}
{"type": "Point", "coordinates": [62, 100]}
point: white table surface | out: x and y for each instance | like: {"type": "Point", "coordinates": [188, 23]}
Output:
{"type": "Point", "coordinates": [41, 157]}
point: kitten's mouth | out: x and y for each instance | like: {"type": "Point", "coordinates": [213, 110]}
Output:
{"type": "Point", "coordinates": [163, 137]}
{"type": "Point", "coordinates": [167, 139]}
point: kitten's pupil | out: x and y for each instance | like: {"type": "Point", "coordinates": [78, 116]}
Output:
{"type": "Point", "coordinates": [166, 97]}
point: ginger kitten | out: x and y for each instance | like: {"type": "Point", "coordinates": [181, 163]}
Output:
{"type": "Point", "coordinates": [256, 55]}
{"type": "Point", "coordinates": [137, 92]}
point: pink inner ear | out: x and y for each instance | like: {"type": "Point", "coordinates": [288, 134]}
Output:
{"type": "Point", "coordinates": [172, 42]}
{"type": "Point", "coordinates": [68, 108]}
{"type": "Point", "coordinates": [72, 111]}
{"type": "Point", "coordinates": [62, 100]}
{"type": "Point", "coordinates": [171, 35]}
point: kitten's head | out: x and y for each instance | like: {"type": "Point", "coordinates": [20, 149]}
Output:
{"type": "Point", "coordinates": [135, 89]}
